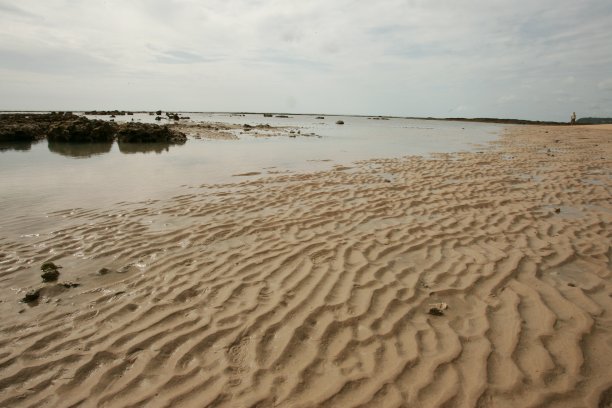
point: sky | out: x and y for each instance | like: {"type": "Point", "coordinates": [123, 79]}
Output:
{"type": "Point", "coordinates": [529, 59]}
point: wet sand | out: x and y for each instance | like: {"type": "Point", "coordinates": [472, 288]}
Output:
{"type": "Point", "coordinates": [475, 279]}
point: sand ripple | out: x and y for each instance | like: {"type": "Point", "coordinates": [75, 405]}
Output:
{"type": "Point", "coordinates": [314, 290]}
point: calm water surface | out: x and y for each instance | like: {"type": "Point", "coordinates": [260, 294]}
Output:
{"type": "Point", "coordinates": [44, 177]}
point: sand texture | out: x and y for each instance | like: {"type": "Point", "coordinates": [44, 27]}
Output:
{"type": "Point", "coordinates": [314, 290]}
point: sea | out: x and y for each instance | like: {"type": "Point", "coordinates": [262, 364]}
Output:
{"type": "Point", "coordinates": [40, 178]}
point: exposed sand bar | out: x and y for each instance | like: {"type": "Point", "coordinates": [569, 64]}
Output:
{"type": "Point", "coordinates": [314, 290]}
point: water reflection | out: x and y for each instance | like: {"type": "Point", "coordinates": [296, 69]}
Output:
{"type": "Point", "coordinates": [20, 146]}
{"type": "Point", "coordinates": [80, 150]}
{"type": "Point", "coordinates": [85, 150]}
{"type": "Point", "coordinates": [131, 148]}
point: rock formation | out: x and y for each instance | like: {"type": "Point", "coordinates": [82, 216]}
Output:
{"type": "Point", "coordinates": [68, 128]}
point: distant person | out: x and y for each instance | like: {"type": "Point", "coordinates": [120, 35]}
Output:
{"type": "Point", "coordinates": [573, 122]}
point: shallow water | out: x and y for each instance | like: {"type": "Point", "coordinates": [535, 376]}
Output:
{"type": "Point", "coordinates": [45, 177]}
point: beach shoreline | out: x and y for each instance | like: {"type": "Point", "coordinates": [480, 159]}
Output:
{"type": "Point", "coordinates": [466, 279]}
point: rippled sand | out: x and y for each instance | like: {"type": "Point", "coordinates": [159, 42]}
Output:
{"type": "Point", "coordinates": [314, 290]}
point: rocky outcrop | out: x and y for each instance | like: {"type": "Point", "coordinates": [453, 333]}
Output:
{"type": "Point", "coordinates": [17, 127]}
{"type": "Point", "coordinates": [82, 130]}
{"type": "Point", "coordinates": [148, 133]}
{"type": "Point", "coordinates": [112, 113]}
{"type": "Point", "coordinates": [68, 128]}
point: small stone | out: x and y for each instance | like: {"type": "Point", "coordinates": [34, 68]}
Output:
{"type": "Point", "coordinates": [49, 266]}
{"type": "Point", "coordinates": [104, 271]}
{"type": "Point", "coordinates": [557, 210]}
{"type": "Point", "coordinates": [69, 285]}
{"type": "Point", "coordinates": [339, 122]}
{"type": "Point", "coordinates": [50, 275]}
{"type": "Point", "coordinates": [435, 311]}
{"type": "Point", "coordinates": [573, 285]}
{"type": "Point", "coordinates": [31, 296]}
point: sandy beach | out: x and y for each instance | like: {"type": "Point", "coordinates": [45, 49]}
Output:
{"type": "Point", "coordinates": [474, 279]}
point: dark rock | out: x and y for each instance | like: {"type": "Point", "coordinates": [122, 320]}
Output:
{"type": "Point", "coordinates": [436, 311]}
{"type": "Point", "coordinates": [112, 113]}
{"type": "Point", "coordinates": [49, 266]}
{"type": "Point", "coordinates": [81, 130]}
{"type": "Point", "coordinates": [320, 117]}
{"type": "Point", "coordinates": [31, 296]}
{"type": "Point", "coordinates": [557, 210]}
{"type": "Point", "coordinates": [68, 128]}
{"type": "Point", "coordinates": [104, 271]}
{"type": "Point", "coordinates": [282, 116]}
{"type": "Point", "coordinates": [19, 127]}
{"type": "Point", "coordinates": [148, 133]}
{"type": "Point", "coordinates": [339, 122]}
{"type": "Point", "coordinates": [267, 115]}
{"type": "Point", "coordinates": [50, 275]}
{"type": "Point", "coordinates": [50, 271]}
{"type": "Point", "coordinates": [158, 118]}
{"type": "Point", "coordinates": [69, 285]}
{"type": "Point", "coordinates": [158, 113]}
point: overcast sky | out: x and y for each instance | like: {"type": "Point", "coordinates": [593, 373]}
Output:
{"type": "Point", "coordinates": [534, 59]}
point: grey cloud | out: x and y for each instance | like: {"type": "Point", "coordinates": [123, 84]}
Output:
{"type": "Point", "coordinates": [183, 57]}
{"type": "Point", "coordinates": [52, 62]}
{"type": "Point", "coordinates": [12, 9]}
{"type": "Point", "coordinates": [605, 85]}
{"type": "Point", "coordinates": [518, 58]}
